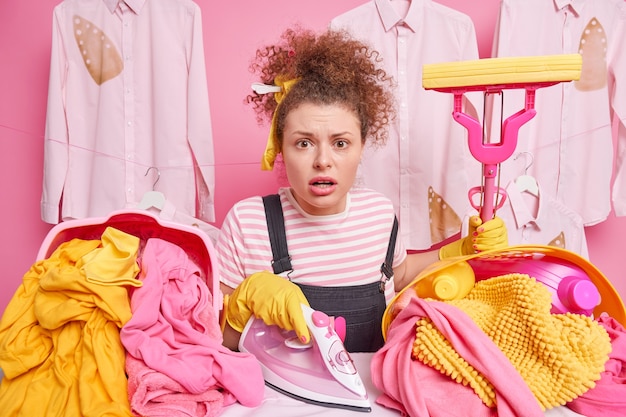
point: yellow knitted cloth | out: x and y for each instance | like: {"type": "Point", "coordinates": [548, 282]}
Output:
{"type": "Point", "coordinates": [560, 356]}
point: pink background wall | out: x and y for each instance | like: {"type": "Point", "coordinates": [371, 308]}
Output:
{"type": "Point", "coordinates": [232, 31]}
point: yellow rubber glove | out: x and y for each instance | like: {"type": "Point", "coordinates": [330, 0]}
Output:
{"type": "Point", "coordinates": [481, 237]}
{"type": "Point", "coordinates": [272, 298]}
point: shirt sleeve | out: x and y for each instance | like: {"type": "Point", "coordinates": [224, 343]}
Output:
{"type": "Point", "coordinates": [200, 134]}
{"type": "Point", "coordinates": [617, 91]}
{"type": "Point", "coordinates": [56, 135]}
{"type": "Point", "coordinates": [230, 239]}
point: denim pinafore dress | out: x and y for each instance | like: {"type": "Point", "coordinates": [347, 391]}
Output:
{"type": "Point", "coordinates": [362, 306]}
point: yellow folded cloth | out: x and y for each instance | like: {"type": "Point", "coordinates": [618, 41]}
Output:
{"type": "Point", "coordinates": [560, 356]}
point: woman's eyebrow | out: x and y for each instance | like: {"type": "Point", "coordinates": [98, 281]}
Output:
{"type": "Point", "coordinates": [311, 134]}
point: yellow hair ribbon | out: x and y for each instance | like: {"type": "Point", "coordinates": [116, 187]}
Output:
{"type": "Point", "coordinates": [271, 149]}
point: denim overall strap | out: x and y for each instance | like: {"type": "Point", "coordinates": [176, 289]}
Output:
{"type": "Point", "coordinates": [276, 229]}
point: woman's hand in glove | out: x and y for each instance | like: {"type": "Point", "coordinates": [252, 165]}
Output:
{"type": "Point", "coordinates": [481, 237]}
{"type": "Point", "coordinates": [274, 299]}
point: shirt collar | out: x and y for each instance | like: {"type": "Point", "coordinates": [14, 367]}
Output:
{"type": "Point", "coordinates": [576, 5]}
{"type": "Point", "coordinates": [134, 5]}
{"type": "Point", "coordinates": [390, 17]}
{"type": "Point", "coordinates": [559, 4]}
{"type": "Point", "coordinates": [521, 213]}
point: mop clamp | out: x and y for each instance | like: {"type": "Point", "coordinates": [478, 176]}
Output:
{"type": "Point", "coordinates": [493, 75]}
{"type": "Point", "coordinates": [500, 197]}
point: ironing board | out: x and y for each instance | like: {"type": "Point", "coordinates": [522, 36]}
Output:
{"type": "Point", "coordinates": [277, 404]}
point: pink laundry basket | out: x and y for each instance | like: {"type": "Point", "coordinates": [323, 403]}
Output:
{"type": "Point", "coordinates": [144, 225]}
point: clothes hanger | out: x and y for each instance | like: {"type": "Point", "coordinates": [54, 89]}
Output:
{"type": "Point", "coordinates": [152, 198]}
{"type": "Point", "coordinates": [527, 183]}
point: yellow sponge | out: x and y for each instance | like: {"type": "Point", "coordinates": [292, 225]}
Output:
{"type": "Point", "coordinates": [559, 356]}
{"type": "Point", "coordinates": [502, 71]}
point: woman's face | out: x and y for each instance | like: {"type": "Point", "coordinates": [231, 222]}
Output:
{"type": "Point", "coordinates": [321, 150]}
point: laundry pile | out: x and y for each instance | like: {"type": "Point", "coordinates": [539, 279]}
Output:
{"type": "Point", "coordinates": [119, 325]}
{"type": "Point", "coordinates": [558, 356]}
{"type": "Point", "coordinates": [499, 351]}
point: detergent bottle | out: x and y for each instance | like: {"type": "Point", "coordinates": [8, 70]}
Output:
{"type": "Point", "coordinates": [450, 280]}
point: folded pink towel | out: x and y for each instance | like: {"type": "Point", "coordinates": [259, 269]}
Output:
{"type": "Point", "coordinates": [153, 394]}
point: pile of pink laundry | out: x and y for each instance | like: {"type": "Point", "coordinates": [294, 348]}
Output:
{"type": "Point", "coordinates": [176, 363]}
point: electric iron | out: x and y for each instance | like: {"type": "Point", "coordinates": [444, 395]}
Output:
{"type": "Point", "coordinates": [320, 372]}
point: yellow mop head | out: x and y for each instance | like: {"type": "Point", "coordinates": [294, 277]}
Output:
{"type": "Point", "coordinates": [502, 71]}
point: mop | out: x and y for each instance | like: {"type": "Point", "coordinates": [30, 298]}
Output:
{"type": "Point", "coordinates": [574, 289]}
{"type": "Point", "coordinates": [492, 76]}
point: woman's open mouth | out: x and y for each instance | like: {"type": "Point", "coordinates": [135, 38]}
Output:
{"type": "Point", "coordinates": [321, 187]}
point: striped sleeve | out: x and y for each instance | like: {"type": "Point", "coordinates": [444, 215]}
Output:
{"type": "Point", "coordinates": [243, 245]}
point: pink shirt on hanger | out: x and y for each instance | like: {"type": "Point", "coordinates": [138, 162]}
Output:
{"type": "Point", "coordinates": [425, 168]}
{"type": "Point", "coordinates": [570, 137]}
{"type": "Point", "coordinates": [127, 92]}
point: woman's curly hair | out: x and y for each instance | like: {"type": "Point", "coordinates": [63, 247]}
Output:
{"type": "Point", "coordinates": [331, 68]}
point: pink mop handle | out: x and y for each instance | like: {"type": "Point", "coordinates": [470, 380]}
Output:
{"type": "Point", "coordinates": [487, 210]}
{"type": "Point", "coordinates": [492, 154]}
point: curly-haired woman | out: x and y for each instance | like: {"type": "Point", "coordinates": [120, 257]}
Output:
{"type": "Point", "coordinates": [325, 96]}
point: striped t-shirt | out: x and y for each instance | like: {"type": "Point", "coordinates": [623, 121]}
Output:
{"type": "Point", "coordinates": [336, 250]}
